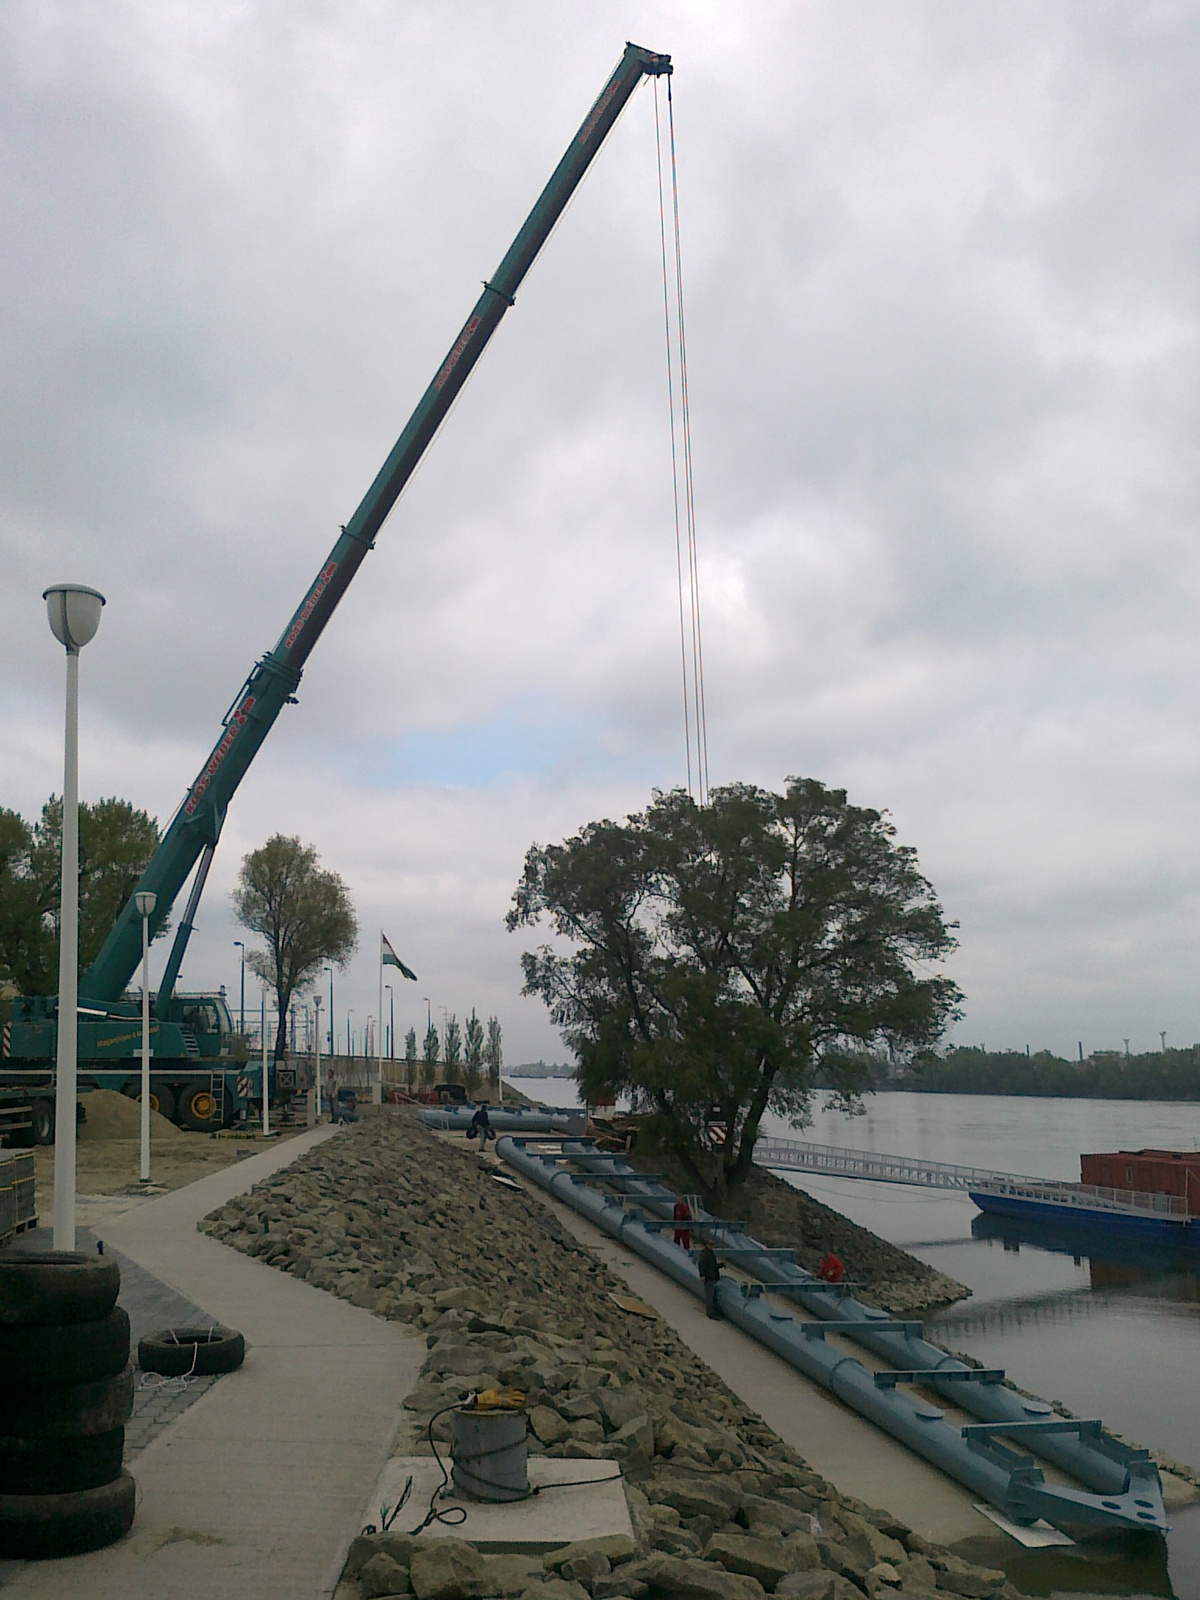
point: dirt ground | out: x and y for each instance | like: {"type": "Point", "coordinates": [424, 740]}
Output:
{"type": "Point", "coordinates": [108, 1150]}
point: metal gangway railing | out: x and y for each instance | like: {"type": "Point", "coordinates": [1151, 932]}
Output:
{"type": "Point", "coordinates": [795, 1155]}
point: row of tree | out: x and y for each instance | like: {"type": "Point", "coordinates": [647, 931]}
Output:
{"type": "Point", "coordinates": [1104, 1075]}
{"type": "Point", "coordinates": [472, 1055]}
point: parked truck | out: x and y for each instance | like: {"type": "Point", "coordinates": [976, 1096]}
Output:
{"type": "Point", "coordinates": [194, 1078]}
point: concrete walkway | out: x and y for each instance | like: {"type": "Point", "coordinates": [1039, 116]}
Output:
{"type": "Point", "coordinates": [258, 1487]}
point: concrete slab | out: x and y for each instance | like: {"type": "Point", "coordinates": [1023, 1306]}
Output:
{"type": "Point", "coordinates": [257, 1489]}
{"type": "Point", "coordinates": [851, 1452]}
{"type": "Point", "coordinates": [572, 1500]}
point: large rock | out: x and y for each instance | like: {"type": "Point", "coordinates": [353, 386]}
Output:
{"type": "Point", "coordinates": [818, 1585]}
{"type": "Point", "coordinates": [548, 1425]}
{"type": "Point", "coordinates": [383, 1576]}
{"type": "Point", "coordinates": [448, 1569]}
{"type": "Point", "coordinates": [621, 1406]}
{"type": "Point", "coordinates": [587, 1569]}
{"type": "Point", "coordinates": [697, 1580]}
{"type": "Point", "coordinates": [763, 1559]}
{"type": "Point", "coordinates": [614, 1547]}
{"type": "Point", "coordinates": [634, 1440]}
{"type": "Point", "coordinates": [399, 1546]}
{"type": "Point", "coordinates": [511, 1575]}
{"type": "Point", "coordinates": [558, 1589]}
{"type": "Point", "coordinates": [773, 1514]}
{"type": "Point", "coordinates": [716, 1497]}
{"type": "Point", "coordinates": [801, 1553]}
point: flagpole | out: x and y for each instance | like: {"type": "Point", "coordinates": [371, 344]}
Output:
{"type": "Point", "coordinates": [378, 1095]}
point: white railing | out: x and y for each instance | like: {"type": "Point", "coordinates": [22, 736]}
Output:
{"type": "Point", "coordinates": [794, 1155]}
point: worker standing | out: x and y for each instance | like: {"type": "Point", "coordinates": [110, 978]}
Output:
{"type": "Point", "coordinates": [481, 1126]}
{"type": "Point", "coordinates": [710, 1276]}
{"type": "Point", "coordinates": [682, 1213]}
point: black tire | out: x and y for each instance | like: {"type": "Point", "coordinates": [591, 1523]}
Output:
{"type": "Point", "coordinates": [197, 1108]}
{"type": "Point", "coordinates": [36, 1526]}
{"type": "Point", "coordinates": [42, 1122]}
{"type": "Point", "coordinates": [67, 1409]}
{"type": "Point", "coordinates": [77, 1352]}
{"type": "Point", "coordinates": [198, 1352]}
{"type": "Point", "coordinates": [162, 1097]}
{"type": "Point", "coordinates": [60, 1466]}
{"type": "Point", "coordinates": [60, 1286]}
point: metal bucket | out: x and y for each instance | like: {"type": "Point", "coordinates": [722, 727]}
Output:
{"type": "Point", "coordinates": [489, 1454]}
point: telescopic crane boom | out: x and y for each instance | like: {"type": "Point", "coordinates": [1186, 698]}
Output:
{"type": "Point", "coordinates": [194, 831]}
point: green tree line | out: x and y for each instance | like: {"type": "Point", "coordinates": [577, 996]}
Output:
{"type": "Point", "coordinates": [1104, 1075]}
{"type": "Point", "coordinates": [115, 843]}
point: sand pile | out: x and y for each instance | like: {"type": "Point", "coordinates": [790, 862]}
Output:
{"type": "Point", "coordinates": [115, 1116]}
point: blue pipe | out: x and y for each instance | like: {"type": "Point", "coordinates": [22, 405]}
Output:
{"type": "Point", "coordinates": [1129, 1492]}
{"type": "Point", "coordinates": [516, 1119]}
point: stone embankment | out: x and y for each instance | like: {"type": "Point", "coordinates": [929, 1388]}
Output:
{"type": "Point", "coordinates": [410, 1227]}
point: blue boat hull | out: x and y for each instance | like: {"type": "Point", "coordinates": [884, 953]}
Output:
{"type": "Point", "coordinates": [1077, 1217]}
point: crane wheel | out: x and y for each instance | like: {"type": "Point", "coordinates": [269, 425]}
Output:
{"type": "Point", "coordinates": [198, 1108]}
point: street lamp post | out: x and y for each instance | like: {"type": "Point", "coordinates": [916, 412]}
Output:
{"type": "Point", "coordinates": [317, 1065]}
{"type": "Point", "coordinates": [350, 1038]}
{"type": "Point", "coordinates": [391, 1022]}
{"type": "Point", "coordinates": [238, 945]}
{"type": "Point", "coordinates": [266, 1082]}
{"type": "Point", "coordinates": [145, 902]}
{"type": "Point", "coordinates": [74, 615]}
{"type": "Point", "coordinates": [332, 1041]}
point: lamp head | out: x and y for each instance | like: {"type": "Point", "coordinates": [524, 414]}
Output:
{"type": "Point", "coordinates": [74, 612]}
{"type": "Point", "coordinates": [145, 902]}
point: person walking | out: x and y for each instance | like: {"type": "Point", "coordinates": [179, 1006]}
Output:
{"type": "Point", "coordinates": [481, 1126]}
{"type": "Point", "coordinates": [682, 1213]}
{"type": "Point", "coordinates": [710, 1276]}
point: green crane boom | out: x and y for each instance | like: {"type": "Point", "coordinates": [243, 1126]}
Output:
{"type": "Point", "coordinates": [196, 827]}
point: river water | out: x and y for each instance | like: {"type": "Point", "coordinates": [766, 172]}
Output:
{"type": "Point", "coordinates": [1112, 1333]}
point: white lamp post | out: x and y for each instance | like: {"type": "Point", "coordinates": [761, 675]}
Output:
{"type": "Point", "coordinates": [74, 613]}
{"type": "Point", "coordinates": [317, 1066]}
{"type": "Point", "coordinates": [266, 1084]}
{"type": "Point", "coordinates": [145, 903]}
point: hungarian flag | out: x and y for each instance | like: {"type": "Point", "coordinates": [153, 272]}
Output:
{"type": "Point", "coordinates": [389, 958]}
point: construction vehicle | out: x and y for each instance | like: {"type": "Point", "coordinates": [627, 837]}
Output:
{"type": "Point", "coordinates": [193, 1076]}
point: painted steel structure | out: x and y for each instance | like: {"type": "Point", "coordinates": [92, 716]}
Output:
{"type": "Point", "coordinates": [1121, 1487]}
{"type": "Point", "coordinates": [1159, 1215]}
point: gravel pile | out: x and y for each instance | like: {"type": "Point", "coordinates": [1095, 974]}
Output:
{"type": "Point", "coordinates": [406, 1225]}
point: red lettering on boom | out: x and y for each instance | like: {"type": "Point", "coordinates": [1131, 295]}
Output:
{"type": "Point", "coordinates": [452, 360]}
{"type": "Point", "coordinates": [310, 605]}
{"type": "Point", "coordinates": [237, 721]}
{"type": "Point", "coordinates": [598, 109]}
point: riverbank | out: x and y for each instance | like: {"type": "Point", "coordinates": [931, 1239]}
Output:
{"type": "Point", "coordinates": [413, 1228]}
{"type": "Point", "coordinates": [778, 1214]}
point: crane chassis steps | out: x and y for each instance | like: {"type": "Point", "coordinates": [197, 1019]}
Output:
{"type": "Point", "coordinates": [1120, 1487]}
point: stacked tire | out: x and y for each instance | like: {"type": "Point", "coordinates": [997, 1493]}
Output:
{"type": "Point", "coordinates": [66, 1392]}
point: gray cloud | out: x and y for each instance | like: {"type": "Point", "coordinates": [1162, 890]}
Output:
{"type": "Point", "coordinates": [943, 340]}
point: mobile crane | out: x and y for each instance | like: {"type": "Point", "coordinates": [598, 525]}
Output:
{"type": "Point", "coordinates": [193, 1076]}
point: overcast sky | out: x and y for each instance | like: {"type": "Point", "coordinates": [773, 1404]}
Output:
{"type": "Point", "coordinates": [941, 274]}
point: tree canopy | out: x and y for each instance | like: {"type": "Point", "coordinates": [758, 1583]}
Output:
{"type": "Point", "coordinates": [728, 957]}
{"type": "Point", "coordinates": [303, 912]}
{"type": "Point", "coordinates": [115, 842]}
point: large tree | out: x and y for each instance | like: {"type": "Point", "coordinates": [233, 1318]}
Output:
{"type": "Point", "coordinates": [115, 842]}
{"type": "Point", "coordinates": [302, 911]}
{"type": "Point", "coordinates": [731, 959]}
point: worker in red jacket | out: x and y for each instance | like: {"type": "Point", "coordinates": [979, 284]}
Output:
{"type": "Point", "coordinates": [831, 1269]}
{"type": "Point", "coordinates": [682, 1213]}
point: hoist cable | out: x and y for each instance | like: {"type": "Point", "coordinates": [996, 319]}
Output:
{"type": "Point", "coordinates": [662, 228]}
{"type": "Point", "coordinates": [698, 700]}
